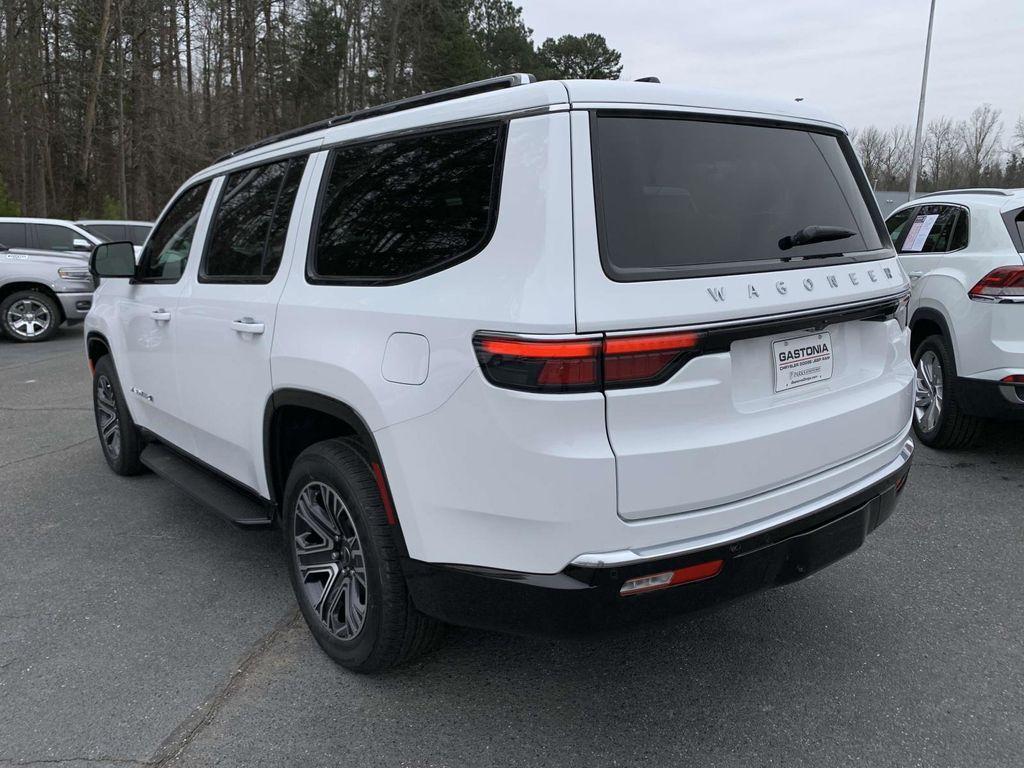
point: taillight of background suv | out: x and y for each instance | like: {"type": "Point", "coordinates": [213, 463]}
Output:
{"type": "Point", "coordinates": [1001, 284]}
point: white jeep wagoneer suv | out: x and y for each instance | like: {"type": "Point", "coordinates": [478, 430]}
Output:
{"type": "Point", "coordinates": [518, 355]}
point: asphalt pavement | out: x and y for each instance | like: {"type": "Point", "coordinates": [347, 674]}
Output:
{"type": "Point", "coordinates": [136, 628]}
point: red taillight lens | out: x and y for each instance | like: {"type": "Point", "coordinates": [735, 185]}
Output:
{"type": "Point", "coordinates": [1015, 378]}
{"type": "Point", "coordinates": [999, 284]}
{"type": "Point", "coordinates": [583, 365]}
{"type": "Point", "coordinates": [630, 361]}
{"type": "Point", "coordinates": [535, 365]}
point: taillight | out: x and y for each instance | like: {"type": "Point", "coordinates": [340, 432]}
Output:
{"type": "Point", "coordinates": [584, 364]}
{"type": "Point", "coordinates": [536, 365]}
{"type": "Point", "coordinates": [1001, 284]}
{"type": "Point", "coordinates": [631, 361]}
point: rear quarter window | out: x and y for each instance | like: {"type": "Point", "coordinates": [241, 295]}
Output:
{"type": "Point", "coordinates": [13, 234]}
{"type": "Point", "coordinates": [687, 197]}
{"type": "Point", "coordinates": [401, 208]}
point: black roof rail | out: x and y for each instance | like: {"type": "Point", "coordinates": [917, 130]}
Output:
{"type": "Point", "coordinates": [433, 97]}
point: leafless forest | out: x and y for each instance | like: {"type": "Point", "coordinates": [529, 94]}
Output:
{"type": "Point", "coordinates": [980, 150]}
{"type": "Point", "coordinates": [106, 106]}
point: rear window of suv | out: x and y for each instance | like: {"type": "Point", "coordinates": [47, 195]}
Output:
{"type": "Point", "coordinates": [402, 208]}
{"type": "Point", "coordinates": [682, 197]}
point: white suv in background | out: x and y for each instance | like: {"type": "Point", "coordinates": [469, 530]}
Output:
{"type": "Point", "coordinates": [518, 355]}
{"type": "Point", "coordinates": [19, 232]}
{"type": "Point", "coordinates": [963, 251]}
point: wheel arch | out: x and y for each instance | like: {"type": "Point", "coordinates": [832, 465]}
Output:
{"type": "Point", "coordinates": [96, 346]}
{"type": "Point", "coordinates": [927, 322]}
{"type": "Point", "coordinates": [294, 419]}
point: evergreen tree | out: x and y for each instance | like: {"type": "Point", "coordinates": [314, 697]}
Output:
{"type": "Point", "coordinates": [579, 58]}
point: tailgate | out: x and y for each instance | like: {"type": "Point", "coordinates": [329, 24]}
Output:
{"type": "Point", "coordinates": [765, 238]}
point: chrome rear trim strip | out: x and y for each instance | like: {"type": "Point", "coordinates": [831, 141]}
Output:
{"type": "Point", "coordinates": [622, 557]}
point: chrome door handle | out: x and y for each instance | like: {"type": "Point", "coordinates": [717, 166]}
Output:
{"type": "Point", "coordinates": [160, 315]}
{"type": "Point", "coordinates": [247, 325]}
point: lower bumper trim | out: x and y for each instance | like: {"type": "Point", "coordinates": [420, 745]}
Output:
{"type": "Point", "coordinates": [990, 399]}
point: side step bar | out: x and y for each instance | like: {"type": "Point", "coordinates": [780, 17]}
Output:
{"type": "Point", "coordinates": [227, 500]}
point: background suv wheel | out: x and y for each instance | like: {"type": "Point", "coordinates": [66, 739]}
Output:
{"type": "Point", "coordinates": [29, 316]}
{"type": "Point", "coordinates": [939, 421]}
{"type": "Point", "coordinates": [344, 565]}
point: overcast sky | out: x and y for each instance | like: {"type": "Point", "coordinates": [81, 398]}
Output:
{"type": "Point", "coordinates": [859, 59]}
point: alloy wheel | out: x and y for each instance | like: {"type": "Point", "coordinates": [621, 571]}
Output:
{"type": "Point", "coordinates": [28, 318]}
{"type": "Point", "coordinates": [928, 399]}
{"type": "Point", "coordinates": [106, 416]}
{"type": "Point", "coordinates": [329, 556]}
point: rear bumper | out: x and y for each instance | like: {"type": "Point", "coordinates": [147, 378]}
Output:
{"type": "Point", "coordinates": [586, 597]}
{"type": "Point", "coordinates": [991, 399]}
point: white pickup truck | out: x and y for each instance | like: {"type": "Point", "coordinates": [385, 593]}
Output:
{"type": "Point", "coordinates": [39, 290]}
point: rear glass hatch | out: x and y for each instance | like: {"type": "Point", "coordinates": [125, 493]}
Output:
{"type": "Point", "coordinates": [680, 196]}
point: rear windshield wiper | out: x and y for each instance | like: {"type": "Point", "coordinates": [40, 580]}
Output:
{"type": "Point", "coordinates": [814, 234]}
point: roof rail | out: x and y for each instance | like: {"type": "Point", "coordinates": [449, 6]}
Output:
{"type": "Point", "coordinates": [433, 97]}
{"type": "Point", "coordinates": [972, 191]}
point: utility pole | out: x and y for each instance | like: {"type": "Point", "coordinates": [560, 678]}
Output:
{"type": "Point", "coordinates": [916, 162]}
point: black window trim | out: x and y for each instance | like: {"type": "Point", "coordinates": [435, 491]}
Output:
{"type": "Point", "coordinates": [1013, 227]}
{"type": "Point", "coordinates": [201, 275]}
{"type": "Point", "coordinates": [497, 178]}
{"type": "Point", "coordinates": [962, 210]}
{"type": "Point", "coordinates": [167, 209]}
{"type": "Point", "coordinates": [719, 269]}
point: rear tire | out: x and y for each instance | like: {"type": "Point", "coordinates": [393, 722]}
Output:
{"type": "Point", "coordinates": [939, 421]}
{"type": "Point", "coordinates": [343, 563]}
{"type": "Point", "coordinates": [29, 316]}
{"type": "Point", "coordinates": [119, 437]}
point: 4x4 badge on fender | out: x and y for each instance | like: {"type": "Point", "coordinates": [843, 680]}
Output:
{"type": "Point", "coordinates": [140, 393]}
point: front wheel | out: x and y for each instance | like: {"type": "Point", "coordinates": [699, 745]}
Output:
{"type": "Point", "coordinates": [343, 563]}
{"type": "Point", "coordinates": [119, 438]}
{"type": "Point", "coordinates": [29, 316]}
{"type": "Point", "coordinates": [939, 421]}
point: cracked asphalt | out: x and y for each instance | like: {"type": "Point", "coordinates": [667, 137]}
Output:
{"type": "Point", "coordinates": [138, 629]}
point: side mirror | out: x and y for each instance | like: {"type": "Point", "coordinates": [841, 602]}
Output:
{"type": "Point", "coordinates": [113, 260]}
{"type": "Point", "coordinates": [81, 244]}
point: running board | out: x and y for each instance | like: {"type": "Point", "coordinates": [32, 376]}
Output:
{"type": "Point", "coordinates": [227, 500]}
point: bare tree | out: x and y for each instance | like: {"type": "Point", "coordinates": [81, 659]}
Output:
{"type": "Point", "coordinates": [979, 135]}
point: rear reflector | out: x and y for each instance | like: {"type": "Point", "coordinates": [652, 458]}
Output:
{"type": "Point", "coordinates": [586, 364]}
{"type": "Point", "coordinates": [999, 284]}
{"type": "Point", "coordinates": [666, 579]}
{"type": "Point", "coordinates": [1017, 378]}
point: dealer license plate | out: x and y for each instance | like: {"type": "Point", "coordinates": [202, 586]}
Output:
{"type": "Point", "coordinates": [801, 361]}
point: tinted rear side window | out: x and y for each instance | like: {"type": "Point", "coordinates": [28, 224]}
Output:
{"type": "Point", "coordinates": [682, 197]}
{"type": "Point", "coordinates": [137, 233]}
{"type": "Point", "coordinates": [13, 235]}
{"type": "Point", "coordinates": [406, 207]}
{"type": "Point", "coordinates": [247, 236]}
{"type": "Point", "coordinates": [108, 232]}
{"type": "Point", "coordinates": [932, 230]}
